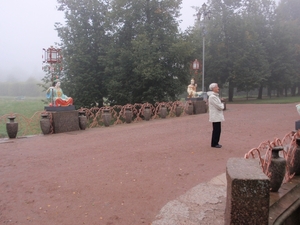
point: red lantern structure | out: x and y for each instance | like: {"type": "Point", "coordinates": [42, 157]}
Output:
{"type": "Point", "coordinates": [52, 56]}
{"type": "Point", "coordinates": [196, 66]}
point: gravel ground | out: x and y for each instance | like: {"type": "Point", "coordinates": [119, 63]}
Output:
{"type": "Point", "coordinates": [137, 173]}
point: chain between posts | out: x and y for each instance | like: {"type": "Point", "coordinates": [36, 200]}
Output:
{"type": "Point", "coordinates": [264, 153]}
{"type": "Point", "coordinates": [31, 126]}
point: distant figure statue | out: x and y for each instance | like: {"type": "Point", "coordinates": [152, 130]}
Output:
{"type": "Point", "coordinates": [191, 90]}
{"type": "Point", "coordinates": [57, 96]}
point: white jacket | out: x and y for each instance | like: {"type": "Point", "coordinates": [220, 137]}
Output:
{"type": "Point", "coordinates": [215, 107]}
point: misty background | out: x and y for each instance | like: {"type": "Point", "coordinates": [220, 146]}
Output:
{"type": "Point", "coordinates": [28, 26]}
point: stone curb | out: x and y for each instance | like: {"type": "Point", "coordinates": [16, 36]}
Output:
{"type": "Point", "coordinates": [203, 204]}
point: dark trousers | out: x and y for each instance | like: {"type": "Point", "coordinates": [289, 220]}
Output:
{"type": "Point", "coordinates": [216, 133]}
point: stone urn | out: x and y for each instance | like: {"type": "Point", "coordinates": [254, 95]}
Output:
{"type": "Point", "coordinates": [106, 116]}
{"type": "Point", "coordinates": [128, 115]}
{"type": "Point", "coordinates": [147, 113]}
{"type": "Point", "coordinates": [12, 127]}
{"type": "Point", "coordinates": [82, 120]}
{"type": "Point", "coordinates": [45, 123]}
{"type": "Point", "coordinates": [276, 169]}
{"type": "Point", "coordinates": [177, 110]}
{"type": "Point", "coordinates": [223, 101]}
{"type": "Point", "coordinates": [163, 111]}
{"type": "Point", "coordinates": [190, 108]}
{"type": "Point", "coordinates": [296, 164]}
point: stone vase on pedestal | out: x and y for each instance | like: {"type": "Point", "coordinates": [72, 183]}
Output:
{"type": "Point", "coordinates": [82, 120]}
{"type": "Point", "coordinates": [177, 110]}
{"type": "Point", "coordinates": [163, 111]}
{"type": "Point", "coordinates": [296, 164]}
{"type": "Point", "coordinates": [45, 123]}
{"type": "Point", "coordinates": [190, 108]}
{"type": "Point", "coordinates": [12, 127]}
{"type": "Point", "coordinates": [128, 115]}
{"type": "Point", "coordinates": [147, 113]}
{"type": "Point", "coordinates": [223, 101]}
{"type": "Point", "coordinates": [276, 169]}
{"type": "Point", "coordinates": [106, 116]}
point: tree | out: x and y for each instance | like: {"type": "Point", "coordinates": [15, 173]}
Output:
{"type": "Point", "coordinates": [225, 40]}
{"type": "Point", "coordinates": [149, 59]}
{"type": "Point", "coordinates": [286, 48]}
{"type": "Point", "coordinates": [85, 39]}
{"type": "Point", "coordinates": [237, 53]}
{"type": "Point", "coordinates": [251, 70]}
{"type": "Point", "coordinates": [126, 51]}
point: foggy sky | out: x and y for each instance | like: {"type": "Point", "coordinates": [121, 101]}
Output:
{"type": "Point", "coordinates": [27, 26]}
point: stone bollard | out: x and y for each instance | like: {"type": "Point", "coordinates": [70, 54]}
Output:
{"type": "Point", "coordinates": [163, 111]}
{"type": "Point", "coordinates": [297, 125]}
{"type": "Point", "coordinates": [147, 113]}
{"type": "Point", "coordinates": [45, 123]}
{"type": "Point", "coordinates": [12, 127]}
{"type": "Point", "coordinates": [128, 115]}
{"type": "Point", "coordinates": [82, 120]}
{"type": "Point", "coordinates": [106, 116]}
{"type": "Point", "coordinates": [248, 193]}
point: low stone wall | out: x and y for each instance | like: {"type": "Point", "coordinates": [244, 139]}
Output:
{"type": "Point", "coordinates": [285, 204]}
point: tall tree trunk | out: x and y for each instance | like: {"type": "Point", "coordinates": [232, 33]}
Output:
{"type": "Point", "coordinates": [281, 92]}
{"type": "Point", "coordinates": [269, 92]}
{"type": "Point", "coordinates": [230, 92]}
{"type": "Point", "coordinates": [260, 91]}
{"type": "Point", "coordinates": [286, 92]}
{"type": "Point", "coordinates": [298, 93]}
{"type": "Point", "coordinates": [293, 90]}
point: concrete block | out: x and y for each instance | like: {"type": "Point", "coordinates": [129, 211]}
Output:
{"type": "Point", "coordinates": [199, 107]}
{"type": "Point", "coordinates": [65, 121]}
{"type": "Point", "coordinates": [248, 193]}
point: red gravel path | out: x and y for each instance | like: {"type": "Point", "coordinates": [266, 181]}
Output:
{"type": "Point", "coordinates": [125, 174]}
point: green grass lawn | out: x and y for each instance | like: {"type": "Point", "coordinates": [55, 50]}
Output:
{"type": "Point", "coordinates": [266, 100]}
{"type": "Point", "coordinates": [25, 110]}
{"type": "Point", "coordinates": [26, 106]}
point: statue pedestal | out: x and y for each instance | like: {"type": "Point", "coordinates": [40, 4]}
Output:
{"type": "Point", "coordinates": [59, 108]}
{"type": "Point", "coordinates": [64, 119]}
{"type": "Point", "coordinates": [199, 105]}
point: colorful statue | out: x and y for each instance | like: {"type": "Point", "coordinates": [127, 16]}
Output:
{"type": "Point", "coordinates": [57, 96]}
{"type": "Point", "coordinates": [191, 90]}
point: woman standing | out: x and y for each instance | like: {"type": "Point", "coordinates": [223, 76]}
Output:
{"type": "Point", "coordinates": [215, 107]}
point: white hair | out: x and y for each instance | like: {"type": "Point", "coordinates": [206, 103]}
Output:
{"type": "Point", "coordinates": [212, 86]}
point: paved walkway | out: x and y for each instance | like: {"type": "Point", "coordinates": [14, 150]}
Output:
{"type": "Point", "coordinates": [159, 172]}
{"type": "Point", "coordinates": [203, 204]}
